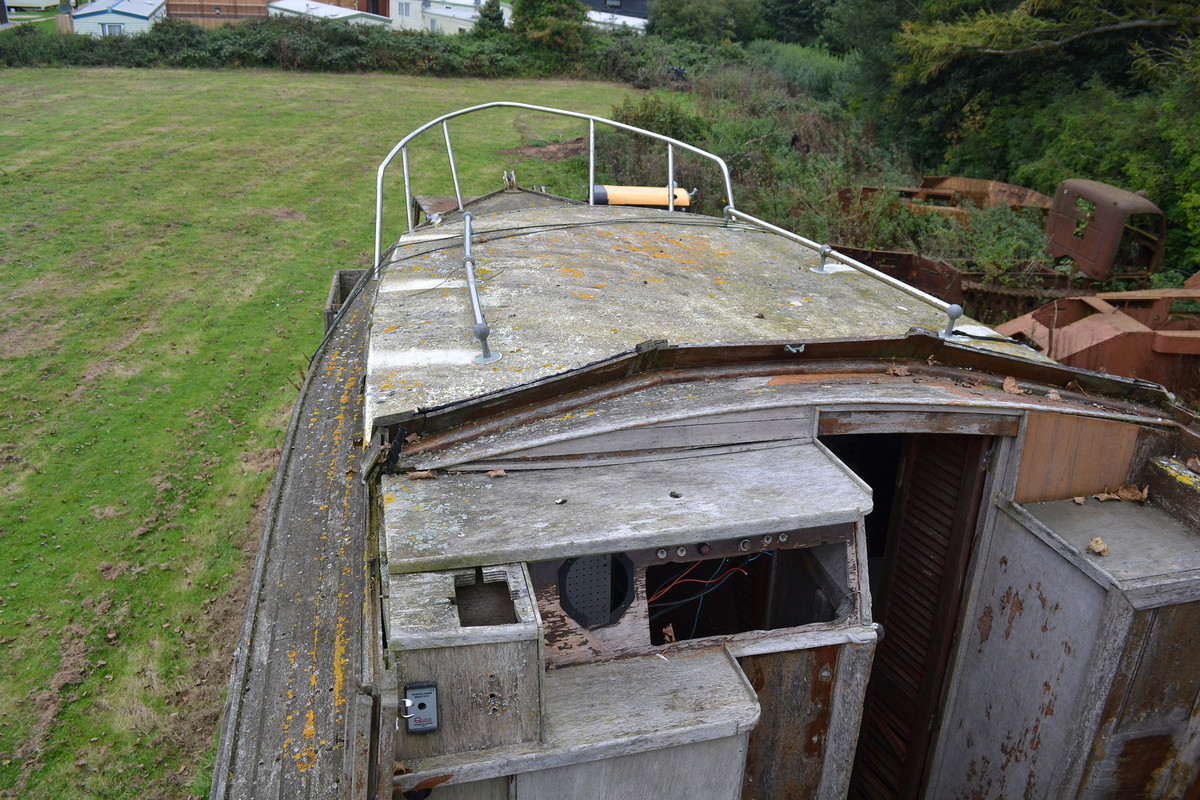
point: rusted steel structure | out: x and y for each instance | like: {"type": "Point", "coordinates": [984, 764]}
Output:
{"type": "Point", "coordinates": [1104, 230]}
{"type": "Point", "coordinates": [673, 506]}
{"type": "Point", "coordinates": [953, 197]}
{"type": "Point", "coordinates": [1136, 334]}
{"type": "Point", "coordinates": [1094, 232]}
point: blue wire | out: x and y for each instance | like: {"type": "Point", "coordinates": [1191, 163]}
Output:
{"type": "Point", "coordinates": [700, 605]}
{"type": "Point", "coordinates": [664, 607]}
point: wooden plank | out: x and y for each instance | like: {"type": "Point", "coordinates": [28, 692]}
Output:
{"type": "Point", "coordinates": [679, 700]}
{"type": "Point", "coordinates": [293, 681]}
{"type": "Point", "coordinates": [470, 519]}
{"type": "Point", "coordinates": [1068, 456]}
{"type": "Point", "coordinates": [1175, 489]}
{"type": "Point", "coordinates": [1150, 720]}
{"type": "Point", "coordinates": [654, 417]}
{"type": "Point", "coordinates": [918, 420]}
{"type": "Point", "coordinates": [489, 695]}
{"type": "Point", "coordinates": [708, 769]}
{"type": "Point", "coordinates": [704, 431]}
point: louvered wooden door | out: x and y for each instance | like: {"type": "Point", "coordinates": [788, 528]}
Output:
{"type": "Point", "coordinates": [928, 547]}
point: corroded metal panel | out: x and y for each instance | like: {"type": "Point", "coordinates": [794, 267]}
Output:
{"type": "Point", "coordinates": [787, 750]}
{"type": "Point", "coordinates": [1026, 657]}
{"type": "Point", "coordinates": [1149, 740]}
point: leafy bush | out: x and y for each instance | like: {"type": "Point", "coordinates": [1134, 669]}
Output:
{"type": "Point", "coordinates": [807, 70]}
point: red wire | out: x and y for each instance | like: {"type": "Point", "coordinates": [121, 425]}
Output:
{"type": "Point", "coordinates": [683, 575]}
{"type": "Point", "coordinates": [711, 580]}
{"type": "Point", "coordinates": [671, 585]}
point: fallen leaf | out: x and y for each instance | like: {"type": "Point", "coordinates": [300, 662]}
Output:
{"type": "Point", "coordinates": [1105, 496]}
{"type": "Point", "coordinates": [421, 475]}
{"type": "Point", "coordinates": [1193, 464]}
{"type": "Point", "coordinates": [1133, 494]}
{"type": "Point", "coordinates": [496, 473]}
{"type": "Point", "coordinates": [899, 371]}
{"type": "Point", "coordinates": [1011, 387]}
{"type": "Point", "coordinates": [669, 633]}
{"type": "Point", "coordinates": [1098, 547]}
{"type": "Point", "coordinates": [1053, 395]}
{"type": "Point", "coordinates": [1079, 500]}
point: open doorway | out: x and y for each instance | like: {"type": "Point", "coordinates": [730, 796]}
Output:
{"type": "Point", "coordinates": [927, 490]}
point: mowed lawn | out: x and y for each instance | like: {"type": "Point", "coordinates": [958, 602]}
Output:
{"type": "Point", "coordinates": [167, 240]}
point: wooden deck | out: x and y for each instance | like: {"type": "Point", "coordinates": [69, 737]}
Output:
{"type": "Point", "coordinates": [297, 666]}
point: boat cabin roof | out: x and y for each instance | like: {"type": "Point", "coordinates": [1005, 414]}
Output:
{"type": "Point", "coordinates": [565, 286]}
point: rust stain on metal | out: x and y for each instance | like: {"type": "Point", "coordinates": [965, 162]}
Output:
{"type": "Point", "coordinates": [1015, 606]}
{"type": "Point", "coordinates": [821, 697]}
{"type": "Point", "coordinates": [1140, 760]}
{"type": "Point", "coordinates": [985, 626]}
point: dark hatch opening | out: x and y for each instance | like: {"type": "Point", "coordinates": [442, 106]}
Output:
{"type": "Point", "coordinates": [764, 591]}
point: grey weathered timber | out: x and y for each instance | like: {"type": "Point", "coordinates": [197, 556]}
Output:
{"type": "Point", "coordinates": [471, 519]}
{"type": "Point", "coordinates": [616, 709]}
{"type": "Point", "coordinates": [297, 667]}
{"type": "Point", "coordinates": [710, 769]}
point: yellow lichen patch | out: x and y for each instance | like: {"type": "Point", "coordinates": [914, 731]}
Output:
{"type": "Point", "coordinates": [583, 296]}
{"type": "Point", "coordinates": [571, 272]}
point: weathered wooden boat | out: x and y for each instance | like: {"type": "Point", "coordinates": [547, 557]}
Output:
{"type": "Point", "coordinates": [625, 501]}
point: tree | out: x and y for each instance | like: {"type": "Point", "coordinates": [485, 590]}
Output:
{"type": "Point", "coordinates": [1037, 26]}
{"type": "Point", "coordinates": [796, 21]}
{"type": "Point", "coordinates": [491, 19]}
{"type": "Point", "coordinates": [555, 25]}
{"type": "Point", "coordinates": [706, 21]}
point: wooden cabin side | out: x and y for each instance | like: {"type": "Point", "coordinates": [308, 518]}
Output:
{"type": "Point", "coordinates": [950, 485]}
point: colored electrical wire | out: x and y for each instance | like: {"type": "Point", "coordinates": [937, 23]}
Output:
{"type": "Point", "coordinates": [700, 605]}
{"type": "Point", "coordinates": [671, 585]}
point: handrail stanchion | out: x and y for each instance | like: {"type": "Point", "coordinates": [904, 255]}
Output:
{"type": "Point", "coordinates": [591, 162]}
{"type": "Point", "coordinates": [408, 202]}
{"type": "Point", "coordinates": [481, 329]}
{"type": "Point", "coordinates": [670, 177]}
{"type": "Point", "coordinates": [402, 148]}
{"type": "Point", "coordinates": [453, 171]}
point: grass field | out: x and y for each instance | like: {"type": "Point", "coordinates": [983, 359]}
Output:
{"type": "Point", "coordinates": [166, 243]}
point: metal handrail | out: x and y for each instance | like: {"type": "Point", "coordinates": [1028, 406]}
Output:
{"type": "Point", "coordinates": [731, 212]}
{"type": "Point", "coordinates": [826, 251]}
{"type": "Point", "coordinates": [481, 329]}
{"type": "Point", "coordinates": [402, 148]}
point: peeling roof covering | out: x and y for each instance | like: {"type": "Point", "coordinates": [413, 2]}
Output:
{"type": "Point", "coordinates": [567, 286]}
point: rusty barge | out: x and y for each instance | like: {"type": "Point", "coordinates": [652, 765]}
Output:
{"type": "Point", "coordinates": [627, 501]}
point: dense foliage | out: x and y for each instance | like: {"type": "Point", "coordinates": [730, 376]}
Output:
{"type": "Point", "coordinates": [807, 96]}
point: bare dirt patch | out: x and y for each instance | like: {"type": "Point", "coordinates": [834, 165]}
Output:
{"type": "Point", "coordinates": [551, 151]}
{"type": "Point", "coordinates": [110, 572]}
{"type": "Point", "coordinates": [198, 699]}
{"type": "Point", "coordinates": [261, 461]}
{"type": "Point", "coordinates": [282, 214]}
{"type": "Point", "coordinates": [46, 703]}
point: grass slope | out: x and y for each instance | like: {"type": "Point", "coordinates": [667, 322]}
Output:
{"type": "Point", "coordinates": [166, 244]}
